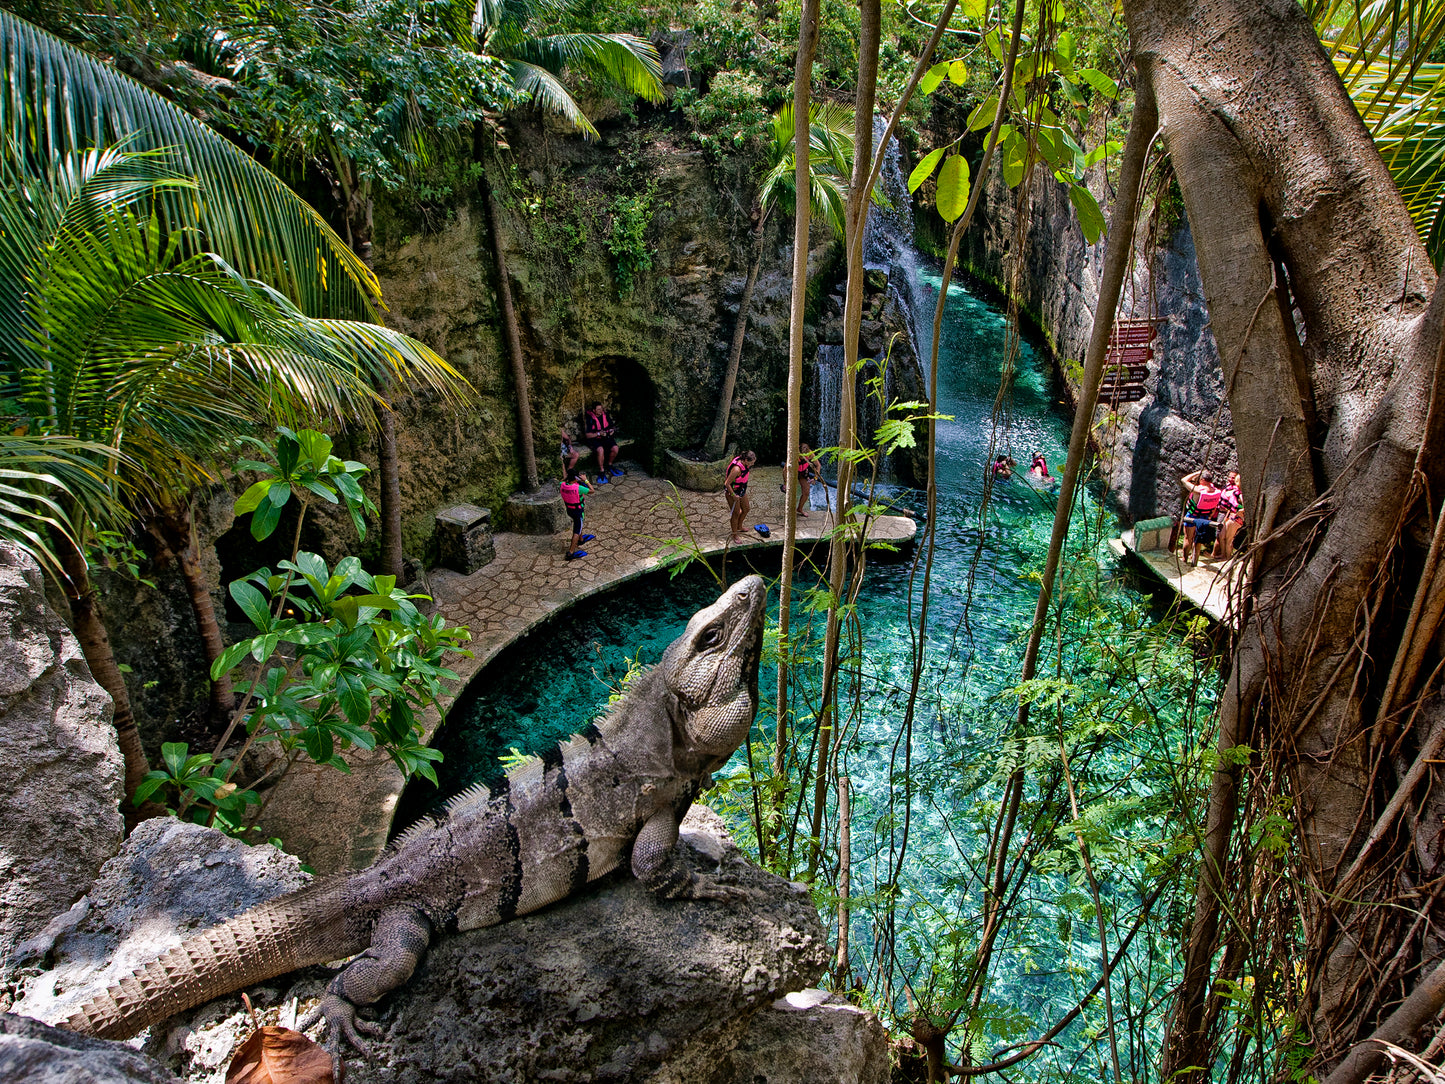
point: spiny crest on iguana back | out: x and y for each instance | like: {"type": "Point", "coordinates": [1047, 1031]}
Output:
{"type": "Point", "coordinates": [549, 828]}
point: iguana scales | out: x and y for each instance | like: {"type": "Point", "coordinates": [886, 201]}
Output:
{"type": "Point", "coordinates": [553, 825]}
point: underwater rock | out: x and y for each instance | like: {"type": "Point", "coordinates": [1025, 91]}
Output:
{"type": "Point", "coordinates": [39, 1054]}
{"type": "Point", "coordinates": [170, 879]}
{"type": "Point", "coordinates": [60, 767]}
{"type": "Point", "coordinates": [612, 984]}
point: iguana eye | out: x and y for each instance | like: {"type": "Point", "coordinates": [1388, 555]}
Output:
{"type": "Point", "coordinates": [711, 637]}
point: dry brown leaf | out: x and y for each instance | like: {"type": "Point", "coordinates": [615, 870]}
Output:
{"type": "Point", "coordinates": [275, 1055]}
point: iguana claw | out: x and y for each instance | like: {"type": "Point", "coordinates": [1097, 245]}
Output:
{"type": "Point", "coordinates": [342, 1025]}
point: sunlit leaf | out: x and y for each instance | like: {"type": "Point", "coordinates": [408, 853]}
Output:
{"type": "Point", "coordinates": [925, 168]}
{"type": "Point", "coordinates": [953, 187]}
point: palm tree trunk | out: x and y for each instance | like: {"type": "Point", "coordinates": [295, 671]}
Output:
{"type": "Point", "coordinates": [717, 439]}
{"type": "Point", "coordinates": [89, 629]}
{"type": "Point", "coordinates": [514, 346]}
{"type": "Point", "coordinates": [391, 556]}
{"type": "Point", "coordinates": [802, 85]}
{"type": "Point", "coordinates": [175, 529]}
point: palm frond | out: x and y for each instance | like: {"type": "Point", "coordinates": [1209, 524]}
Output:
{"type": "Point", "coordinates": [544, 88]}
{"type": "Point", "coordinates": [56, 100]}
{"type": "Point", "coordinates": [1382, 52]}
{"type": "Point", "coordinates": [830, 161]}
{"type": "Point", "coordinates": [54, 486]}
{"type": "Point", "coordinates": [627, 62]}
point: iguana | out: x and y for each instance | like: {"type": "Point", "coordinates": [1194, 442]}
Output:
{"type": "Point", "coordinates": [553, 825]}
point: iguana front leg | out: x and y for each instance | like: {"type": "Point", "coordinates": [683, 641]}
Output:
{"type": "Point", "coordinates": [398, 941]}
{"type": "Point", "coordinates": [657, 863]}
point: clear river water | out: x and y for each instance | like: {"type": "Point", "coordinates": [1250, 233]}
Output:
{"type": "Point", "coordinates": [555, 680]}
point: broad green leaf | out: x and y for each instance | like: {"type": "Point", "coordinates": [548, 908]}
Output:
{"type": "Point", "coordinates": [977, 10]}
{"type": "Point", "coordinates": [925, 168]}
{"type": "Point", "coordinates": [279, 494]}
{"type": "Point", "coordinates": [932, 77]}
{"type": "Point", "coordinates": [252, 603]}
{"type": "Point", "coordinates": [1067, 46]}
{"type": "Point", "coordinates": [315, 446]}
{"type": "Point", "coordinates": [251, 499]}
{"type": "Point", "coordinates": [230, 659]}
{"type": "Point", "coordinates": [958, 73]}
{"type": "Point", "coordinates": [174, 754]}
{"type": "Point", "coordinates": [983, 114]}
{"type": "Point", "coordinates": [995, 46]}
{"type": "Point", "coordinates": [264, 520]}
{"type": "Point", "coordinates": [1011, 164]}
{"type": "Point", "coordinates": [1091, 219]}
{"type": "Point", "coordinates": [953, 187]}
{"type": "Point", "coordinates": [351, 692]}
{"type": "Point", "coordinates": [1099, 81]}
{"type": "Point", "coordinates": [1097, 155]}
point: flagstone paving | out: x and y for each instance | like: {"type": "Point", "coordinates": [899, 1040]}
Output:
{"type": "Point", "coordinates": [632, 517]}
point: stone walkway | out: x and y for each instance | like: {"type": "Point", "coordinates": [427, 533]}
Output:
{"type": "Point", "coordinates": [632, 518]}
{"type": "Point", "coordinates": [1211, 586]}
{"type": "Point", "coordinates": [527, 583]}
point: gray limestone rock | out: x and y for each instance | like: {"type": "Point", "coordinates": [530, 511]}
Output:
{"type": "Point", "coordinates": [38, 1054]}
{"type": "Point", "coordinates": [609, 985]}
{"type": "Point", "coordinates": [170, 879]}
{"type": "Point", "coordinates": [787, 1042]}
{"type": "Point", "coordinates": [60, 766]}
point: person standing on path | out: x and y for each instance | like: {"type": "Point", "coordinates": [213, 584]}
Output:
{"type": "Point", "coordinates": [1201, 500]}
{"type": "Point", "coordinates": [573, 490]}
{"type": "Point", "coordinates": [601, 438]}
{"type": "Point", "coordinates": [735, 490]}
{"type": "Point", "coordinates": [807, 474]}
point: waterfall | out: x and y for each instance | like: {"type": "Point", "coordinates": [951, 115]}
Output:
{"type": "Point", "coordinates": [888, 247]}
{"type": "Point", "coordinates": [830, 392]}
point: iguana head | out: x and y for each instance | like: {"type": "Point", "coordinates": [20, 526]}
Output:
{"type": "Point", "coordinates": [711, 672]}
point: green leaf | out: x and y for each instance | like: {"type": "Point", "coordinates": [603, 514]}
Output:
{"type": "Point", "coordinates": [977, 10]}
{"type": "Point", "coordinates": [983, 114]}
{"type": "Point", "coordinates": [1095, 156]}
{"type": "Point", "coordinates": [1067, 46]}
{"type": "Point", "coordinates": [148, 786]}
{"type": "Point", "coordinates": [230, 659]}
{"type": "Point", "coordinates": [174, 754]}
{"type": "Point", "coordinates": [253, 604]}
{"type": "Point", "coordinates": [1099, 81]}
{"type": "Point", "coordinates": [1012, 163]}
{"type": "Point", "coordinates": [280, 493]}
{"type": "Point", "coordinates": [932, 77]}
{"type": "Point", "coordinates": [1091, 219]}
{"type": "Point", "coordinates": [354, 701]}
{"type": "Point", "coordinates": [264, 520]}
{"type": "Point", "coordinates": [953, 187]}
{"type": "Point", "coordinates": [251, 499]}
{"type": "Point", "coordinates": [925, 168]}
{"type": "Point", "coordinates": [315, 446]}
{"type": "Point", "coordinates": [958, 73]}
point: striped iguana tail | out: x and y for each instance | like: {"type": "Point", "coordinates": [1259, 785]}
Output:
{"type": "Point", "coordinates": [292, 931]}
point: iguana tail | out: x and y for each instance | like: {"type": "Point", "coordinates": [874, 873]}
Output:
{"type": "Point", "coordinates": [292, 931]}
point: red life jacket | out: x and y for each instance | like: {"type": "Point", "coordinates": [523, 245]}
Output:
{"type": "Point", "coordinates": [598, 423]}
{"type": "Point", "coordinates": [1205, 502]}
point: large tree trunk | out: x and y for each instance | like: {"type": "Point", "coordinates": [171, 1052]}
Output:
{"type": "Point", "coordinates": [1320, 299]}
{"type": "Point", "coordinates": [514, 346]}
{"type": "Point", "coordinates": [717, 439]}
{"type": "Point", "coordinates": [89, 629]}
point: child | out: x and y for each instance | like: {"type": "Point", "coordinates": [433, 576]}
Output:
{"type": "Point", "coordinates": [573, 490]}
{"type": "Point", "coordinates": [570, 455]}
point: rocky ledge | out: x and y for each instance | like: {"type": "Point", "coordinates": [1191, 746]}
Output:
{"type": "Point", "coordinates": [611, 985]}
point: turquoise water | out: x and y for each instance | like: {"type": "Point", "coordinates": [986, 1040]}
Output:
{"type": "Point", "coordinates": [984, 590]}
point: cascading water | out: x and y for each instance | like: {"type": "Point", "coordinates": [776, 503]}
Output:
{"type": "Point", "coordinates": [888, 246]}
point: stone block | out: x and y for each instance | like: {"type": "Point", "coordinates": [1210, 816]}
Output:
{"type": "Point", "coordinates": [464, 538]}
{"type": "Point", "coordinates": [701, 476]}
{"type": "Point", "coordinates": [537, 513]}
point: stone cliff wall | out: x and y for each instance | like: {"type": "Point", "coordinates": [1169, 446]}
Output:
{"type": "Point", "coordinates": [1184, 422]}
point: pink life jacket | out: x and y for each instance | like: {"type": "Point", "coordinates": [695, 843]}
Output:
{"type": "Point", "coordinates": [572, 495]}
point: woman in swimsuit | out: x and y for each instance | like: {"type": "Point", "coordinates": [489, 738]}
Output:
{"type": "Point", "coordinates": [735, 489]}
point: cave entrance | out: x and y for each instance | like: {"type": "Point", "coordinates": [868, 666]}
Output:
{"type": "Point", "coordinates": [629, 393]}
